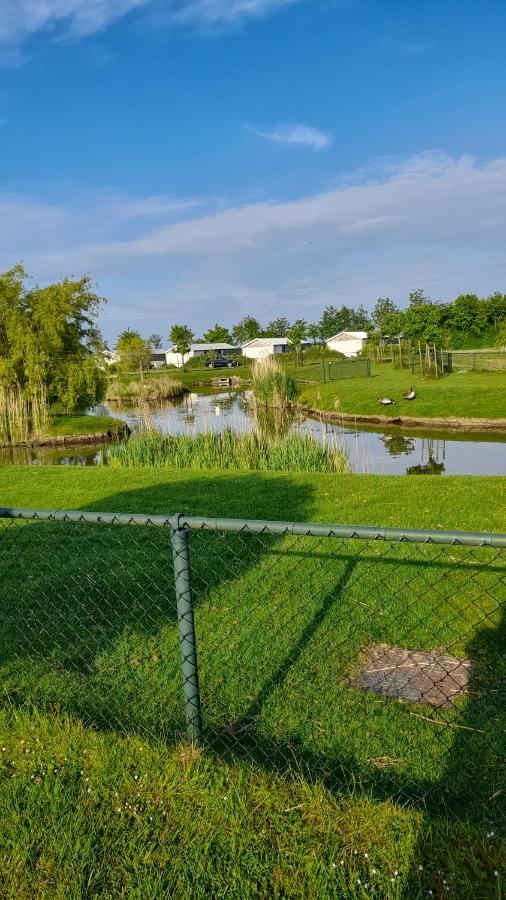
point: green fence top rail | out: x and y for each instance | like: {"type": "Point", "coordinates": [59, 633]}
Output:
{"type": "Point", "coordinates": [261, 526]}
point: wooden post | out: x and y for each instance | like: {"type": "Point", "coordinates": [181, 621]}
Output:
{"type": "Point", "coordinates": [421, 359]}
{"type": "Point", "coordinates": [435, 361]}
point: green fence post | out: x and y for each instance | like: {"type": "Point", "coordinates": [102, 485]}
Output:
{"type": "Point", "coordinates": [186, 625]}
{"type": "Point", "coordinates": [368, 368]}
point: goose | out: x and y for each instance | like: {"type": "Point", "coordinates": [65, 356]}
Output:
{"type": "Point", "coordinates": [386, 401]}
{"type": "Point", "coordinates": [410, 395]}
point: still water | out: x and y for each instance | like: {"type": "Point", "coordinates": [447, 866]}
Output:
{"type": "Point", "coordinates": [389, 452]}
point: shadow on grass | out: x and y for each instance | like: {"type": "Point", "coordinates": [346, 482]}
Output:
{"type": "Point", "coordinates": [87, 612]}
{"type": "Point", "coordinates": [88, 626]}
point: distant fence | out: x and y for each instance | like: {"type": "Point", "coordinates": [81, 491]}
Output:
{"type": "Point", "coordinates": [477, 360]}
{"type": "Point", "coordinates": [362, 656]}
{"type": "Point", "coordinates": [334, 369]}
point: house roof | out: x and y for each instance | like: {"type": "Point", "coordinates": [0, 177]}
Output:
{"type": "Point", "coordinates": [272, 341]}
{"type": "Point", "coordinates": [358, 335]}
{"type": "Point", "coordinates": [268, 342]}
{"type": "Point", "coordinates": [203, 346]}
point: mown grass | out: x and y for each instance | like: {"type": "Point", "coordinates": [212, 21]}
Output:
{"type": "Point", "coordinates": [248, 451]}
{"type": "Point", "coordinates": [89, 628]}
{"type": "Point", "coordinates": [67, 425]}
{"type": "Point", "coordinates": [465, 395]}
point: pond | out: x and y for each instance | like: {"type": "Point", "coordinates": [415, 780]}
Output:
{"type": "Point", "coordinates": [391, 452]}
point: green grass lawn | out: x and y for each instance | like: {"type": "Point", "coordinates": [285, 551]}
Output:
{"type": "Point", "coordinates": [302, 769]}
{"type": "Point", "coordinates": [473, 394]}
{"type": "Point", "coordinates": [193, 375]}
{"type": "Point", "coordinates": [67, 425]}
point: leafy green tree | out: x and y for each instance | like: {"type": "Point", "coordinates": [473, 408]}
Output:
{"type": "Point", "coordinates": [386, 316]}
{"type": "Point", "coordinates": [424, 323]}
{"type": "Point", "coordinates": [360, 319]}
{"type": "Point", "coordinates": [246, 330]}
{"type": "Point", "coordinates": [49, 337]}
{"type": "Point", "coordinates": [418, 297]}
{"type": "Point", "coordinates": [155, 341]}
{"type": "Point", "coordinates": [468, 314]}
{"type": "Point", "coordinates": [134, 351]}
{"type": "Point", "coordinates": [277, 328]}
{"type": "Point", "coordinates": [313, 331]}
{"type": "Point", "coordinates": [296, 335]}
{"type": "Point", "coordinates": [218, 335]}
{"type": "Point", "coordinates": [181, 338]}
{"type": "Point", "coordinates": [496, 308]}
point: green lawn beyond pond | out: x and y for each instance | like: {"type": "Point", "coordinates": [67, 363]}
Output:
{"type": "Point", "coordinates": [308, 786]}
{"type": "Point", "coordinates": [471, 394]}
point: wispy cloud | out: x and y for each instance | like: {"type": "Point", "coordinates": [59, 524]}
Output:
{"type": "Point", "coordinates": [432, 220]}
{"type": "Point", "coordinates": [20, 19]}
{"type": "Point", "coordinates": [296, 133]}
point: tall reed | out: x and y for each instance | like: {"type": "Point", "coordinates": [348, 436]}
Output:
{"type": "Point", "coordinates": [152, 390]}
{"type": "Point", "coordinates": [272, 386]}
{"type": "Point", "coordinates": [14, 416]}
{"type": "Point", "coordinates": [228, 449]}
{"type": "Point", "coordinates": [22, 418]}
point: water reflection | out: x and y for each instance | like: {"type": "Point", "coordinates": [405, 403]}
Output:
{"type": "Point", "coordinates": [368, 451]}
{"type": "Point", "coordinates": [435, 450]}
{"type": "Point", "coordinates": [397, 444]}
{"type": "Point", "coordinates": [50, 456]}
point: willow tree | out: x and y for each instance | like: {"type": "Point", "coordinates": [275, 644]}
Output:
{"type": "Point", "coordinates": [49, 338]}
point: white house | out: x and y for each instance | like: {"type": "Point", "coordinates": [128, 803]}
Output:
{"type": "Point", "coordinates": [173, 358]}
{"type": "Point", "coordinates": [350, 343]}
{"type": "Point", "coordinates": [259, 348]}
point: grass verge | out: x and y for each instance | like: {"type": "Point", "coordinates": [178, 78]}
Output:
{"type": "Point", "coordinates": [467, 395]}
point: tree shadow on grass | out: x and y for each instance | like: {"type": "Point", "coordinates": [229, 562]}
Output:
{"type": "Point", "coordinates": [87, 612]}
{"type": "Point", "coordinates": [88, 626]}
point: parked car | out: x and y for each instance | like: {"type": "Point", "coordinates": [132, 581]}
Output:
{"type": "Point", "coordinates": [221, 362]}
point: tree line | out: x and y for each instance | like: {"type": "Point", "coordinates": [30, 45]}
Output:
{"type": "Point", "coordinates": [466, 321]}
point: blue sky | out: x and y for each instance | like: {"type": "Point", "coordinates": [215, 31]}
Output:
{"type": "Point", "coordinates": [203, 159]}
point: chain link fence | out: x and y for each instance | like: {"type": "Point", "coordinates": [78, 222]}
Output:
{"type": "Point", "coordinates": [367, 658]}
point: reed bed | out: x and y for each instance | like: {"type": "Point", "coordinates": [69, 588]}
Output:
{"type": "Point", "coordinates": [22, 418]}
{"type": "Point", "coordinates": [228, 449]}
{"type": "Point", "coordinates": [152, 390]}
{"type": "Point", "coordinates": [272, 386]}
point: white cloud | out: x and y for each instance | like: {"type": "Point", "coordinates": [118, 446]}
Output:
{"type": "Point", "coordinates": [300, 134]}
{"type": "Point", "coordinates": [19, 19]}
{"type": "Point", "coordinates": [432, 221]}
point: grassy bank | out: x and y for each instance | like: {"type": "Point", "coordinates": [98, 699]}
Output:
{"type": "Point", "coordinates": [226, 450]}
{"type": "Point", "coordinates": [279, 623]}
{"type": "Point", "coordinates": [467, 395]}
{"type": "Point", "coordinates": [83, 426]}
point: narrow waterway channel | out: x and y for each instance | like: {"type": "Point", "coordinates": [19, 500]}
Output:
{"type": "Point", "coordinates": [392, 452]}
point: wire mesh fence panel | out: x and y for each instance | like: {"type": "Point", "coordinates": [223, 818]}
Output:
{"type": "Point", "coordinates": [88, 623]}
{"type": "Point", "coordinates": [349, 368]}
{"type": "Point", "coordinates": [374, 664]}
{"type": "Point", "coordinates": [363, 663]}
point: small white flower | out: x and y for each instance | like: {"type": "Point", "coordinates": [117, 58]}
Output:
{"type": "Point", "coordinates": [333, 865]}
{"type": "Point", "coordinates": [396, 873]}
{"type": "Point", "coordinates": [366, 855]}
{"type": "Point", "coordinates": [420, 868]}
{"type": "Point", "coordinates": [374, 871]}
{"type": "Point", "coordinates": [496, 873]}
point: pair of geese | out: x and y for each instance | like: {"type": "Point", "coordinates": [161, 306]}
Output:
{"type": "Point", "coordinates": [408, 395]}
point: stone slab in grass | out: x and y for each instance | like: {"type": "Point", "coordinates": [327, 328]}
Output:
{"type": "Point", "coordinates": [417, 676]}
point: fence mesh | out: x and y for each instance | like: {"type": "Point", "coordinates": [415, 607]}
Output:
{"type": "Point", "coordinates": [375, 664]}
